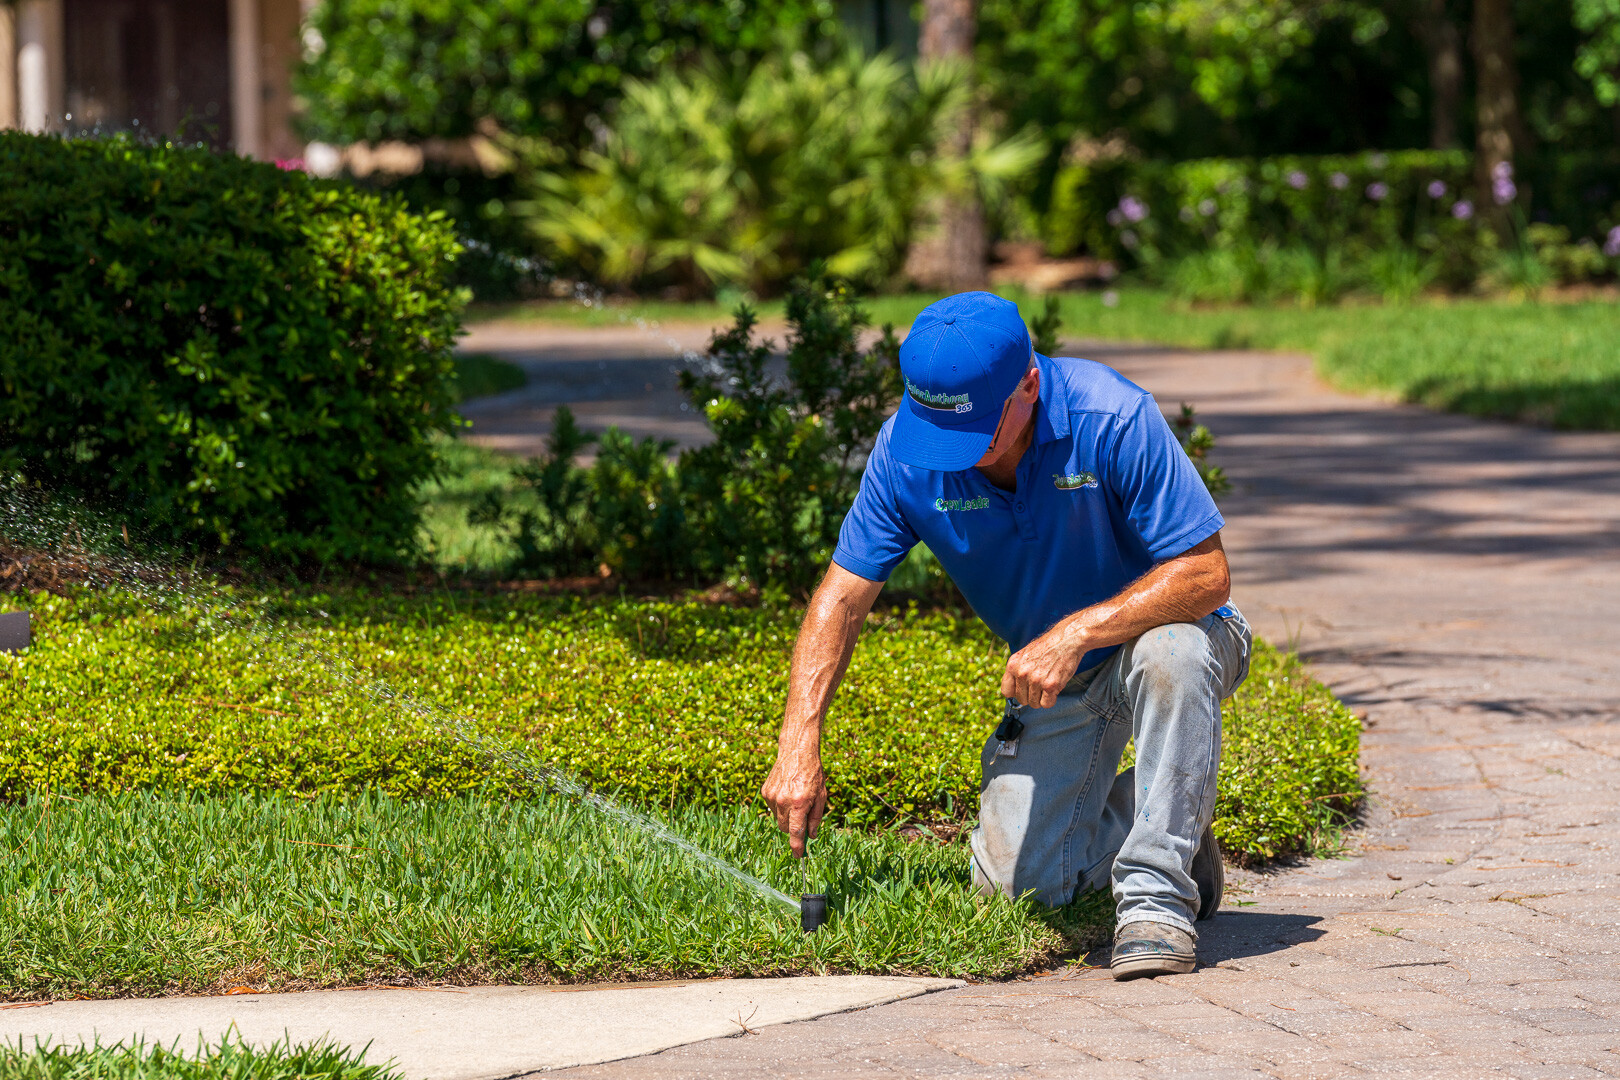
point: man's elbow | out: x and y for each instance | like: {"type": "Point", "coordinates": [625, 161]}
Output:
{"type": "Point", "coordinates": [1218, 581]}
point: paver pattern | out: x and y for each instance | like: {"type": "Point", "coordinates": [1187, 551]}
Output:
{"type": "Point", "coordinates": [1455, 581]}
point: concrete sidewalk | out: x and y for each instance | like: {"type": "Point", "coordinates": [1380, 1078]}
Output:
{"type": "Point", "coordinates": [1457, 581]}
{"type": "Point", "coordinates": [478, 1033]}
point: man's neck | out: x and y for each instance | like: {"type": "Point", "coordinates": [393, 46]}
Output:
{"type": "Point", "coordinates": [1003, 472]}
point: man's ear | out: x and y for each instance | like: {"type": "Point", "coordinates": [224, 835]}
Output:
{"type": "Point", "coordinates": [1030, 388]}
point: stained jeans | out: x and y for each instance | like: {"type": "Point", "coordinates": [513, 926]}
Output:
{"type": "Point", "coordinates": [1056, 818]}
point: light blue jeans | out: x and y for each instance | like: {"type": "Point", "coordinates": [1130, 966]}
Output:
{"type": "Point", "coordinates": [1056, 818]}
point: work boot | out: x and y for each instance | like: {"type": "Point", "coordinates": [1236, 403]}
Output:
{"type": "Point", "coordinates": [1146, 949]}
{"type": "Point", "coordinates": [1209, 874]}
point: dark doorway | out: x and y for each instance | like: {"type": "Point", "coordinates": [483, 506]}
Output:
{"type": "Point", "coordinates": [159, 66]}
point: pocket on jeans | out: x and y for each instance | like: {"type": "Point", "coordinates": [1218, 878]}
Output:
{"type": "Point", "coordinates": [1235, 628]}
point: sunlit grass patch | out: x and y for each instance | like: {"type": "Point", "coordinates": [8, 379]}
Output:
{"type": "Point", "coordinates": [225, 1060]}
{"type": "Point", "coordinates": [169, 893]}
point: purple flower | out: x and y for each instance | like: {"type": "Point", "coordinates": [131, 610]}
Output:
{"type": "Point", "coordinates": [1207, 207]}
{"type": "Point", "coordinates": [1115, 218]}
{"type": "Point", "coordinates": [1339, 181]}
{"type": "Point", "coordinates": [1377, 191]}
{"type": "Point", "coordinates": [1437, 188]}
{"type": "Point", "coordinates": [1297, 180]}
{"type": "Point", "coordinates": [1611, 246]}
{"type": "Point", "coordinates": [1462, 210]}
{"type": "Point", "coordinates": [1128, 238]}
{"type": "Point", "coordinates": [1502, 186]}
{"type": "Point", "coordinates": [1133, 208]}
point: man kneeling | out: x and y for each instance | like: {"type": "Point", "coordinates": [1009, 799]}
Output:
{"type": "Point", "coordinates": [1055, 495]}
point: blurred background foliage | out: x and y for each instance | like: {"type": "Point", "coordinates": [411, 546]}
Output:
{"type": "Point", "coordinates": [682, 146]}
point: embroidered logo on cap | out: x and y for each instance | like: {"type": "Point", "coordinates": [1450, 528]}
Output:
{"type": "Point", "coordinates": [943, 402]}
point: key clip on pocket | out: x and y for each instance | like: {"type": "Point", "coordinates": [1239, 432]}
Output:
{"type": "Point", "coordinates": [1007, 733]}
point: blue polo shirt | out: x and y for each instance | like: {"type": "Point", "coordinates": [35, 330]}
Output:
{"type": "Point", "coordinates": [1103, 493]}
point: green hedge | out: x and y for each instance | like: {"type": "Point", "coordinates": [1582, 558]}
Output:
{"type": "Point", "coordinates": [670, 703]}
{"type": "Point", "coordinates": [1347, 216]}
{"type": "Point", "coordinates": [223, 350]}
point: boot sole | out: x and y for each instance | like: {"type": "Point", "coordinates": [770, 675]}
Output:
{"type": "Point", "coordinates": [1138, 967]}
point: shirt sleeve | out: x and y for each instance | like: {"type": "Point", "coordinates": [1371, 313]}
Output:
{"type": "Point", "coordinates": [1158, 486]}
{"type": "Point", "coordinates": [874, 537]}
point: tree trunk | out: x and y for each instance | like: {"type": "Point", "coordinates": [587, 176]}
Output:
{"type": "Point", "coordinates": [949, 248]}
{"type": "Point", "coordinates": [1501, 132]}
{"type": "Point", "coordinates": [1442, 42]}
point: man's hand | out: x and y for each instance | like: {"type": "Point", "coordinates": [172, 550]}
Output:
{"type": "Point", "coordinates": [1182, 589]}
{"type": "Point", "coordinates": [796, 791]}
{"type": "Point", "coordinates": [1040, 670]}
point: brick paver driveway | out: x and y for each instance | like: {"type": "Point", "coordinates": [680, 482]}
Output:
{"type": "Point", "coordinates": [1457, 582]}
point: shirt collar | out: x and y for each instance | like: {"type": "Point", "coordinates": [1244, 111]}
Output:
{"type": "Point", "coordinates": [1052, 420]}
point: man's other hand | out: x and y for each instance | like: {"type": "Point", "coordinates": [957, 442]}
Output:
{"type": "Point", "coordinates": [1038, 672]}
{"type": "Point", "coordinates": [796, 792]}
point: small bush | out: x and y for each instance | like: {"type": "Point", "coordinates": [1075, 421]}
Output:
{"type": "Point", "coordinates": [760, 505]}
{"type": "Point", "coordinates": [224, 351]}
{"type": "Point", "coordinates": [670, 703]}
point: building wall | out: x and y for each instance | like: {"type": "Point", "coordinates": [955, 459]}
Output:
{"type": "Point", "coordinates": [251, 110]}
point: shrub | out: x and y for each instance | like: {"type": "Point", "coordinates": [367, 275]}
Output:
{"type": "Point", "coordinates": [761, 504]}
{"type": "Point", "coordinates": [669, 703]}
{"type": "Point", "coordinates": [1314, 227]}
{"type": "Point", "coordinates": [707, 177]}
{"type": "Point", "coordinates": [224, 351]}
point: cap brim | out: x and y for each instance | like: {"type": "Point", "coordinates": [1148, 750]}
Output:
{"type": "Point", "coordinates": [916, 442]}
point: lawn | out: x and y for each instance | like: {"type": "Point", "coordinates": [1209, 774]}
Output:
{"type": "Point", "coordinates": [1555, 364]}
{"type": "Point", "coordinates": [198, 800]}
{"type": "Point", "coordinates": [225, 1060]}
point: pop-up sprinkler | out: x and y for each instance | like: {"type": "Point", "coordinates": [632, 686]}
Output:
{"type": "Point", "coordinates": [812, 911]}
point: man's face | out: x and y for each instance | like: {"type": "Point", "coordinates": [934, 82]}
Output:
{"type": "Point", "coordinates": [1015, 416]}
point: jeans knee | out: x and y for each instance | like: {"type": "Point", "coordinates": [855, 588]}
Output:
{"type": "Point", "coordinates": [1173, 655]}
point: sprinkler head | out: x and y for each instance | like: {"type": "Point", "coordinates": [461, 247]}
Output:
{"type": "Point", "coordinates": [14, 631]}
{"type": "Point", "coordinates": [812, 911]}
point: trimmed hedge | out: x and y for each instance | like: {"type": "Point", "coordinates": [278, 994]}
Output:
{"type": "Point", "coordinates": [668, 702]}
{"type": "Point", "coordinates": [224, 351]}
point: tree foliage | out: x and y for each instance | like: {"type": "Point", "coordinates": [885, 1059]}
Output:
{"type": "Point", "coordinates": [420, 69]}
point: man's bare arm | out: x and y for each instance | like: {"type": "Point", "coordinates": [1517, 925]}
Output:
{"type": "Point", "coordinates": [1182, 589]}
{"type": "Point", "coordinates": [797, 789]}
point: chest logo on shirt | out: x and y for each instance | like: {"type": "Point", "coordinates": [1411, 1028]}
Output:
{"type": "Point", "coordinates": [1074, 481]}
{"type": "Point", "coordinates": [944, 505]}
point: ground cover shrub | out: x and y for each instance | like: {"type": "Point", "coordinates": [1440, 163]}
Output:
{"type": "Point", "coordinates": [670, 703]}
{"type": "Point", "coordinates": [223, 351]}
{"type": "Point", "coordinates": [225, 1060]}
{"type": "Point", "coordinates": [1545, 363]}
{"type": "Point", "coordinates": [281, 894]}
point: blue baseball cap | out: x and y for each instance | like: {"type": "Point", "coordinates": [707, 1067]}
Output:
{"type": "Point", "coordinates": [961, 362]}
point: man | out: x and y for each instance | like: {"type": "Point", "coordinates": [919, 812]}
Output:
{"type": "Point", "coordinates": [1057, 498]}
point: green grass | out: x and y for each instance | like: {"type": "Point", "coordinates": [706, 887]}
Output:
{"type": "Point", "coordinates": [669, 702]}
{"type": "Point", "coordinates": [480, 375]}
{"type": "Point", "coordinates": [225, 1060]}
{"type": "Point", "coordinates": [1555, 364]}
{"type": "Point", "coordinates": [466, 471]}
{"type": "Point", "coordinates": [151, 893]}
